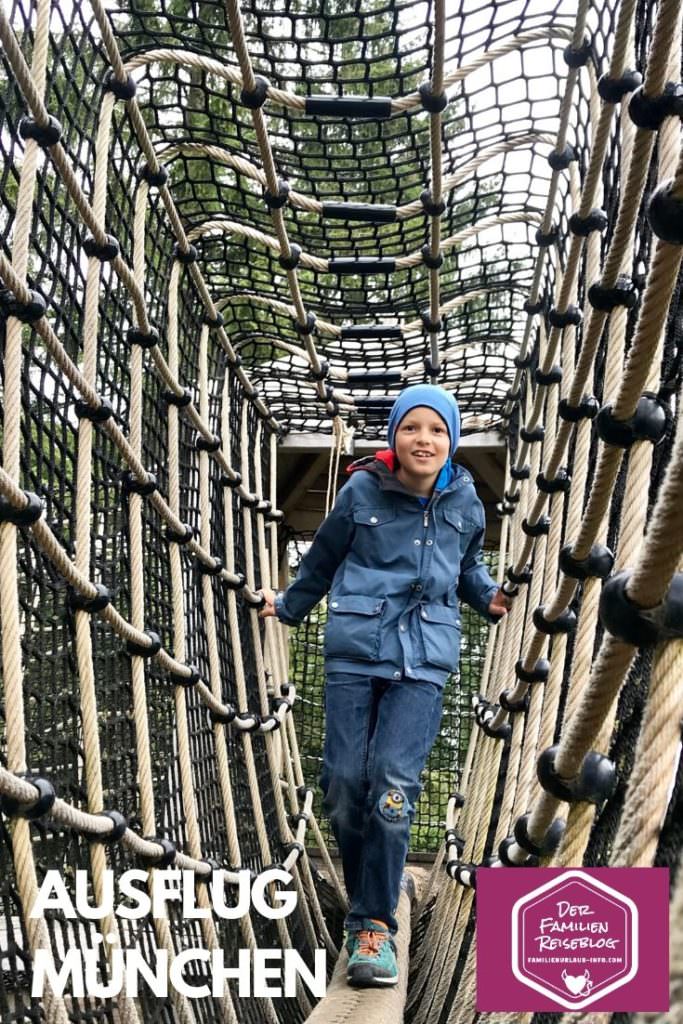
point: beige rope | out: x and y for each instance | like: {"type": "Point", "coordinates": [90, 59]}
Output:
{"type": "Point", "coordinates": [238, 661]}
{"type": "Point", "coordinates": [137, 604]}
{"type": "Point", "coordinates": [22, 849]}
{"type": "Point", "coordinates": [283, 826]}
{"type": "Point", "coordinates": [259, 123]}
{"type": "Point", "coordinates": [522, 757]}
{"type": "Point", "coordinates": [657, 751]}
{"type": "Point", "coordinates": [244, 166]}
{"type": "Point", "coordinates": [222, 761]}
{"type": "Point", "coordinates": [208, 926]}
{"type": "Point", "coordinates": [294, 102]}
{"type": "Point", "coordinates": [559, 32]}
{"type": "Point", "coordinates": [86, 673]}
{"type": "Point", "coordinates": [609, 458]}
{"type": "Point", "coordinates": [463, 1008]}
{"type": "Point", "coordinates": [660, 551]}
{"type": "Point", "coordinates": [285, 753]}
{"type": "Point", "coordinates": [281, 644]}
{"type": "Point", "coordinates": [334, 464]}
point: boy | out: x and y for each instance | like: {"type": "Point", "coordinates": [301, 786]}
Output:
{"type": "Point", "coordinates": [401, 544]}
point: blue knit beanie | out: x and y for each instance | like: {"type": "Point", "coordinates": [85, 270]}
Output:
{"type": "Point", "coordinates": [434, 397]}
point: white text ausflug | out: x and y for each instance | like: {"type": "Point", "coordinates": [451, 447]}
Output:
{"type": "Point", "coordinates": [258, 972]}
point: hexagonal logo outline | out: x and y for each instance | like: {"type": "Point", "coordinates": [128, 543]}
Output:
{"type": "Point", "coordinates": [620, 907]}
{"type": "Point", "coordinates": [632, 938]}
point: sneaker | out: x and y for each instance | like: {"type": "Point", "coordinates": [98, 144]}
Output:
{"type": "Point", "coordinates": [373, 962]}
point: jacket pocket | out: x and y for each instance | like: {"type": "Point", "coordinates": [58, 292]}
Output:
{"type": "Point", "coordinates": [373, 516]}
{"type": "Point", "coordinates": [461, 522]}
{"type": "Point", "coordinates": [440, 628]}
{"type": "Point", "coordinates": [463, 530]}
{"type": "Point", "coordinates": [353, 627]}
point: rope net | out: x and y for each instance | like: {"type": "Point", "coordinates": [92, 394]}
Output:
{"type": "Point", "coordinates": [220, 225]}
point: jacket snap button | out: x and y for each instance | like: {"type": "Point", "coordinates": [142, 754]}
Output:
{"type": "Point", "coordinates": [335, 604]}
{"type": "Point", "coordinates": [424, 615]}
{"type": "Point", "coordinates": [403, 629]}
{"type": "Point", "coordinates": [373, 519]}
{"type": "Point", "coordinates": [417, 543]}
{"type": "Point", "coordinates": [429, 543]}
{"type": "Point", "coordinates": [397, 675]}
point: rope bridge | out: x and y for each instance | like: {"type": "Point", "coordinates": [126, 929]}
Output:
{"type": "Point", "coordinates": [219, 225]}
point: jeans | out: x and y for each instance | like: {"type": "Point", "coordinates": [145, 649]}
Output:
{"type": "Point", "coordinates": [379, 733]}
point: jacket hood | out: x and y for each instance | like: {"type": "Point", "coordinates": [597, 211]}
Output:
{"type": "Point", "coordinates": [386, 457]}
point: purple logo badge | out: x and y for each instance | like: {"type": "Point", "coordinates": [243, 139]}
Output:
{"type": "Point", "coordinates": [550, 938]}
{"type": "Point", "coordinates": [574, 939]}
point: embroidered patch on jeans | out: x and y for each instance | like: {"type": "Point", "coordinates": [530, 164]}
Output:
{"type": "Point", "coordinates": [392, 804]}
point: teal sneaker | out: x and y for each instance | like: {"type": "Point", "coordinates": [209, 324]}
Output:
{"type": "Point", "coordinates": [373, 962]}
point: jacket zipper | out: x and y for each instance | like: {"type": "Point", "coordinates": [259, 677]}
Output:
{"type": "Point", "coordinates": [425, 524]}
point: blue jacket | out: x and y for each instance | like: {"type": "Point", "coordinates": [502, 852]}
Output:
{"type": "Point", "coordinates": [395, 569]}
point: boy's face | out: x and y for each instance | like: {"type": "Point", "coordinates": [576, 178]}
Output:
{"type": "Point", "coordinates": [423, 446]}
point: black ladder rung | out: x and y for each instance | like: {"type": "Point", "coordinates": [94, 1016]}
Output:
{"type": "Point", "coordinates": [372, 378]}
{"type": "Point", "coordinates": [369, 213]}
{"type": "Point", "coordinates": [372, 332]}
{"type": "Point", "coordinates": [343, 265]}
{"type": "Point", "coordinates": [375, 403]}
{"type": "Point", "coordinates": [375, 107]}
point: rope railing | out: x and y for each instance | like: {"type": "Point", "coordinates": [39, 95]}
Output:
{"type": "Point", "coordinates": [400, 105]}
{"type": "Point", "coordinates": [541, 716]}
{"type": "Point", "coordinates": [403, 212]}
{"type": "Point", "coordinates": [26, 510]}
{"type": "Point", "coordinates": [591, 334]}
{"type": "Point", "coordinates": [658, 291]}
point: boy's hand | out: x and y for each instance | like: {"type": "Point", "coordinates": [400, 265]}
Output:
{"type": "Point", "coordinates": [500, 603]}
{"type": "Point", "coordinates": [269, 607]}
